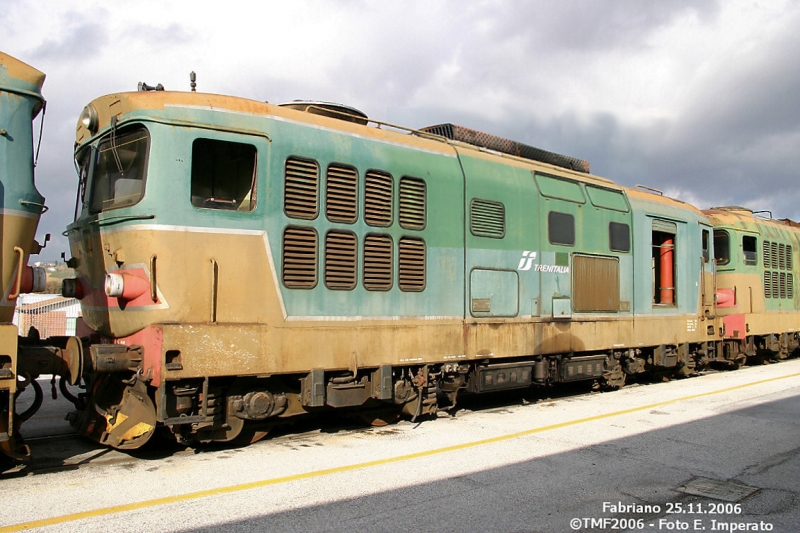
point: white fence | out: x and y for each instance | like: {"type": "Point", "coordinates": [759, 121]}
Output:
{"type": "Point", "coordinates": [50, 314]}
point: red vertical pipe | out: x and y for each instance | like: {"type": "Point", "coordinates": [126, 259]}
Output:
{"type": "Point", "coordinates": [667, 275]}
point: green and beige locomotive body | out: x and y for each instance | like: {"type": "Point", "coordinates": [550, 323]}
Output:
{"type": "Point", "coordinates": [21, 206]}
{"type": "Point", "coordinates": [242, 263]}
{"type": "Point", "coordinates": [756, 276]}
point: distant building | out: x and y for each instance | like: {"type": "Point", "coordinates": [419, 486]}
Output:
{"type": "Point", "coordinates": [51, 314]}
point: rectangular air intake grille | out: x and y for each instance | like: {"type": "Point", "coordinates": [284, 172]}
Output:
{"type": "Point", "coordinates": [767, 284]}
{"type": "Point", "coordinates": [378, 260]}
{"type": "Point", "coordinates": [774, 255]}
{"type": "Point", "coordinates": [378, 198]}
{"type": "Point", "coordinates": [595, 284]}
{"type": "Point", "coordinates": [775, 285]}
{"type": "Point", "coordinates": [487, 218]}
{"type": "Point", "coordinates": [299, 258]}
{"type": "Point", "coordinates": [411, 268]}
{"type": "Point", "coordinates": [340, 260]}
{"type": "Point", "coordinates": [340, 194]}
{"type": "Point", "coordinates": [412, 203]}
{"type": "Point", "coordinates": [778, 262]}
{"type": "Point", "coordinates": [301, 188]}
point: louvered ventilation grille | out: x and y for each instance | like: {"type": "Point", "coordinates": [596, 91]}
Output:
{"type": "Point", "coordinates": [411, 265]}
{"type": "Point", "coordinates": [774, 255]}
{"type": "Point", "coordinates": [299, 258]}
{"type": "Point", "coordinates": [378, 199]}
{"type": "Point", "coordinates": [487, 219]}
{"type": "Point", "coordinates": [378, 262]}
{"type": "Point", "coordinates": [340, 260]}
{"type": "Point", "coordinates": [778, 280]}
{"type": "Point", "coordinates": [301, 188]}
{"type": "Point", "coordinates": [595, 284]}
{"type": "Point", "coordinates": [412, 203]}
{"type": "Point", "coordinates": [340, 194]}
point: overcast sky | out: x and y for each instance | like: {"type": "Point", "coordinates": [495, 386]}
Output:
{"type": "Point", "coordinates": [696, 98]}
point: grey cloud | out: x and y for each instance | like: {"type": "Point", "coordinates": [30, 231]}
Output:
{"type": "Point", "coordinates": [84, 37]}
{"type": "Point", "coordinates": [159, 37]}
{"type": "Point", "coordinates": [586, 25]}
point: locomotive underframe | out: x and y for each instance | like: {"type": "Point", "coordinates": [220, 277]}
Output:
{"type": "Point", "coordinates": [124, 404]}
{"type": "Point", "coordinates": [123, 408]}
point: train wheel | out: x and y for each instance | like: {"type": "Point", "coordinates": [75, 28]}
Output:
{"type": "Point", "coordinates": [252, 433]}
{"type": "Point", "coordinates": [126, 415]}
{"type": "Point", "coordinates": [381, 418]}
{"type": "Point", "coordinates": [12, 450]}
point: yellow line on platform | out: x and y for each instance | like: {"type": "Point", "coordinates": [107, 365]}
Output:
{"type": "Point", "coordinates": [379, 462]}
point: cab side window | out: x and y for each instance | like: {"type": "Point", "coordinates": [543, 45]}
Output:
{"type": "Point", "coordinates": [223, 175]}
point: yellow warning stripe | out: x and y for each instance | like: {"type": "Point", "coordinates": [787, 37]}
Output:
{"type": "Point", "coordinates": [369, 464]}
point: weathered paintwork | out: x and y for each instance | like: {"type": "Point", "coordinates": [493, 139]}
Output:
{"type": "Point", "coordinates": [21, 204]}
{"type": "Point", "coordinates": [745, 273]}
{"type": "Point", "coordinates": [20, 207]}
{"type": "Point", "coordinates": [525, 265]}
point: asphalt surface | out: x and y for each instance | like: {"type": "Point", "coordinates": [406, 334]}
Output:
{"type": "Point", "coordinates": [719, 452]}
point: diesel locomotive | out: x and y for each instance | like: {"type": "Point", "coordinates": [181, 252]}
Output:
{"type": "Point", "coordinates": [21, 205]}
{"type": "Point", "coordinates": [241, 263]}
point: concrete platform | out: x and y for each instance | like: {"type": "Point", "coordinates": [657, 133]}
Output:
{"type": "Point", "coordinates": [719, 452]}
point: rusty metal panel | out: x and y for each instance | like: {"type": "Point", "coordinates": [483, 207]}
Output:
{"type": "Point", "coordinates": [595, 284]}
{"type": "Point", "coordinates": [506, 146]}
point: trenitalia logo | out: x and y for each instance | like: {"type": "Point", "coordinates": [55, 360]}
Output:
{"type": "Point", "coordinates": [527, 262]}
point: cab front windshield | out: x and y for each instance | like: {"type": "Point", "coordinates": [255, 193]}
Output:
{"type": "Point", "coordinates": [119, 169]}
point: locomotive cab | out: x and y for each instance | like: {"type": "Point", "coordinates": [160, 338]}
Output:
{"type": "Point", "coordinates": [756, 282]}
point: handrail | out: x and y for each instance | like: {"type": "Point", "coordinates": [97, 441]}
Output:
{"type": "Point", "coordinates": [20, 266]}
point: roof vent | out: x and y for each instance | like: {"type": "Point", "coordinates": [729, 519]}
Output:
{"type": "Point", "coordinates": [506, 146]}
{"type": "Point", "coordinates": [328, 109]}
